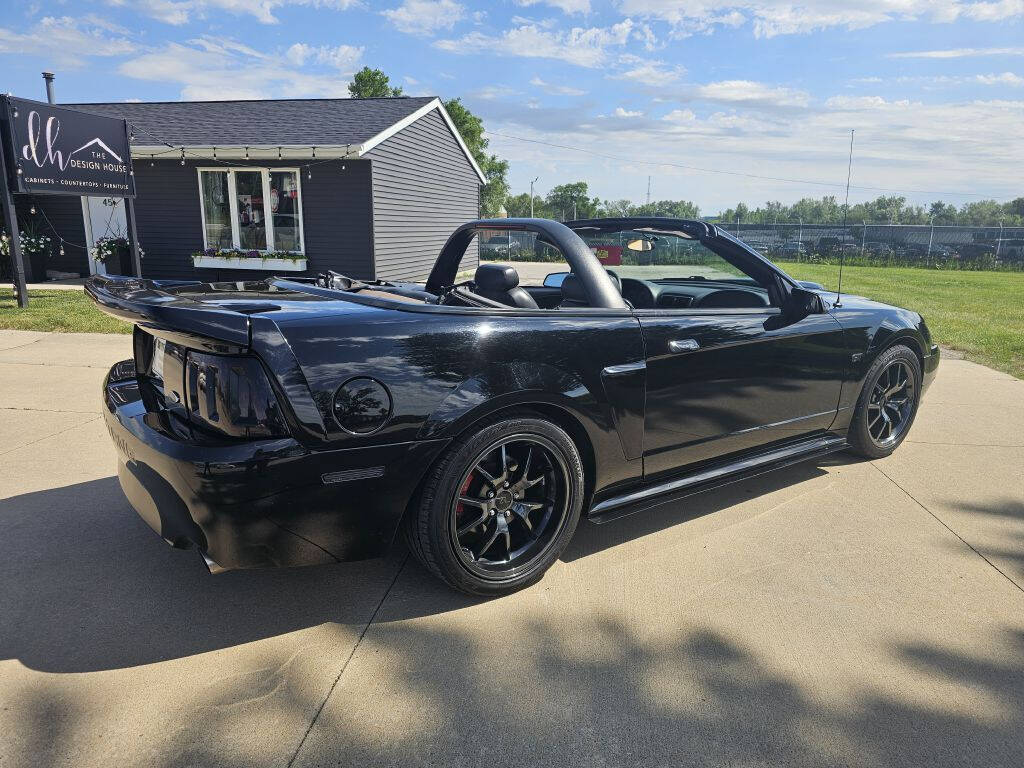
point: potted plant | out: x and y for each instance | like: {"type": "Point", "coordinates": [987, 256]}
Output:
{"type": "Point", "coordinates": [115, 253]}
{"type": "Point", "coordinates": [35, 249]}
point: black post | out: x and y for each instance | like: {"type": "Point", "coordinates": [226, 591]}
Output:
{"type": "Point", "coordinates": [11, 225]}
{"type": "Point", "coordinates": [133, 237]}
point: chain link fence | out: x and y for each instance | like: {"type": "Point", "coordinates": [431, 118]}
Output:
{"type": "Point", "coordinates": [887, 245]}
{"type": "Point", "coordinates": [890, 245]}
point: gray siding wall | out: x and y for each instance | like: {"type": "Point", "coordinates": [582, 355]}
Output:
{"type": "Point", "coordinates": [65, 215]}
{"type": "Point", "coordinates": [336, 215]}
{"type": "Point", "coordinates": [423, 188]}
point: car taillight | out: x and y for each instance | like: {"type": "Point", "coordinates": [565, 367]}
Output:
{"type": "Point", "coordinates": [231, 394]}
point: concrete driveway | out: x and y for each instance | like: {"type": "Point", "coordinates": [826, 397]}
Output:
{"type": "Point", "coordinates": [839, 613]}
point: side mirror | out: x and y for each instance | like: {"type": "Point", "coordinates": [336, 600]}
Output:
{"type": "Point", "coordinates": [801, 303]}
{"type": "Point", "coordinates": [555, 279]}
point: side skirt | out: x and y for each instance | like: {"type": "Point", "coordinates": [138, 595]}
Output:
{"type": "Point", "coordinates": [672, 490]}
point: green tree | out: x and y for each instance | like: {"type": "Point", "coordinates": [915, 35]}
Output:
{"type": "Point", "coordinates": [372, 84]}
{"type": "Point", "coordinates": [572, 201]}
{"type": "Point", "coordinates": [495, 170]}
{"type": "Point", "coordinates": [676, 209]}
{"type": "Point", "coordinates": [518, 206]}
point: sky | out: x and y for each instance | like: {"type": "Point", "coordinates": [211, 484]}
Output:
{"type": "Point", "coordinates": [714, 101]}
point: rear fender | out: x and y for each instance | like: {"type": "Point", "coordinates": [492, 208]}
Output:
{"type": "Point", "coordinates": [507, 385]}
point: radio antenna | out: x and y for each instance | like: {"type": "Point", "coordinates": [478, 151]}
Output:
{"type": "Point", "coordinates": [846, 211]}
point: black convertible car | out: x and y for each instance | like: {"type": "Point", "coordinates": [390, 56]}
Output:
{"type": "Point", "coordinates": [624, 363]}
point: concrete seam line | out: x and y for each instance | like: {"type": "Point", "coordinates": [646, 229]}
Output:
{"type": "Point", "coordinates": [43, 410]}
{"type": "Point", "coordinates": [964, 445]}
{"type": "Point", "coordinates": [344, 666]}
{"type": "Point", "coordinates": [55, 434]}
{"type": "Point", "coordinates": [943, 524]}
{"type": "Point", "coordinates": [26, 344]}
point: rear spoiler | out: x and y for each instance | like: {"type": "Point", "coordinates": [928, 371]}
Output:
{"type": "Point", "coordinates": [154, 305]}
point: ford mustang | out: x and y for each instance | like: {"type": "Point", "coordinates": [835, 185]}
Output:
{"type": "Point", "coordinates": [608, 366]}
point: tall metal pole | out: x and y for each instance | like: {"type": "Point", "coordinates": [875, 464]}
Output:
{"type": "Point", "coordinates": [11, 225]}
{"type": "Point", "coordinates": [531, 195]}
{"type": "Point", "coordinates": [129, 209]}
{"type": "Point", "coordinates": [846, 211]}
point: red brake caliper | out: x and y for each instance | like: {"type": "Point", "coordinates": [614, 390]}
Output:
{"type": "Point", "coordinates": [460, 508]}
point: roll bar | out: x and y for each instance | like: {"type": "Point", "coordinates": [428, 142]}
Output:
{"type": "Point", "coordinates": [601, 291]}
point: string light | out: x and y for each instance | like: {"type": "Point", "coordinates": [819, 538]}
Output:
{"type": "Point", "coordinates": [246, 153]}
{"type": "Point", "coordinates": [182, 155]}
{"type": "Point", "coordinates": [214, 153]}
{"type": "Point", "coordinates": [278, 153]}
{"type": "Point", "coordinates": [32, 210]}
{"type": "Point", "coordinates": [314, 153]}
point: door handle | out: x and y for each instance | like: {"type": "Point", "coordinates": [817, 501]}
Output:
{"type": "Point", "coordinates": [683, 345]}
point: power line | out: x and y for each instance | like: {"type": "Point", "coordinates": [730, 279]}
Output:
{"type": "Point", "coordinates": [722, 171]}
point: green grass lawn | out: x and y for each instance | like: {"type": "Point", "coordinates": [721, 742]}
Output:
{"type": "Point", "coordinates": [978, 313]}
{"type": "Point", "coordinates": [68, 311]}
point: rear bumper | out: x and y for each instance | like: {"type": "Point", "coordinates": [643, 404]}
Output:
{"type": "Point", "coordinates": [263, 502]}
{"type": "Point", "coordinates": [931, 366]}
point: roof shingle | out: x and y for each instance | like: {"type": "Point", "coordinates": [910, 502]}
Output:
{"type": "Point", "coordinates": [282, 122]}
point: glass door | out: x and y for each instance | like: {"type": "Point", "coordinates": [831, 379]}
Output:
{"type": "Point", "coordinates": [102, 217]}
{"type": "Point", "coordinates": [252, 223]}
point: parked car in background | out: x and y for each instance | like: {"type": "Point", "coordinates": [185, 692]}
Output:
{"type": "Point", "coordinates": [791, 249]}
{"type": "Point", "coordinates": [312, 420]}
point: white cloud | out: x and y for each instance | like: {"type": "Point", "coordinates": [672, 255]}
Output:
{"type": "Point", "coordinates": [680, 116]}
{"type": "Point", "coordinates": [1004, 78]}
{"type": "Point", "coordinates": [648, 71]}
{"type": "Point", "coordinates": [556, 90]}
{"type": "Point", "coordinates": [343, 57]}
{"type": "Point", "coordinates": [425, 17]}
{"type": "Point", "coordinates": [957, 53]}
{"type": "Point", "coordinates": [751, 93]}
{"type": "Point", "coordinates": [620, 112]}
{"type": "Point", "coordinates": [208, 68]}
{"type": "Point", "coordinates": [67, 41]}
{"type": "Point", "coordinates": [565, 6]}
{"type": "Point", "coordinates": [897, 144]}
{"type": "Point", "coordinates": [781, 17]}
{"type": "Point", "coordinates": [584, 47]}
{"type": "Point", "coordinates": [178, 12]}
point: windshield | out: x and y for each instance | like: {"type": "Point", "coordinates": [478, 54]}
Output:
{"type": "Point", "coordinates": [670, 257]}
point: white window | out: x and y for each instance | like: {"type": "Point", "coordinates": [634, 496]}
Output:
{"type": "Point", "coordinates": [251, 209]}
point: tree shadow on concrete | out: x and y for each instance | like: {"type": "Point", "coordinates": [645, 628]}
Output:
{"type": "Point", "coordinates": [610, 693]}
{"type": "Point", "coordinates": [88, 586]}
{"type": "Point", "coordinates": [1006, 518]}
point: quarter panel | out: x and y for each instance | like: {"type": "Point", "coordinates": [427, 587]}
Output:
{"type": "Point", "coordinates": [445, 371]}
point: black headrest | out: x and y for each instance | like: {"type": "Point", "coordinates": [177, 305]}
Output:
{"type": "Point", "coordinates": [574, 290]}
{"type": "Point", "coordinates": [496, 277]}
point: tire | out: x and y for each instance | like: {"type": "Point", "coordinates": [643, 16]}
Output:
{"type": "Point", "coordinates": [874, 432]}
{"type": "Point", "coordinates": [529, 519]}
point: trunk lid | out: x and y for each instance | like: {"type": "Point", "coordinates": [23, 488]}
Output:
{"type": "Point", "coordinates": [187, 309]}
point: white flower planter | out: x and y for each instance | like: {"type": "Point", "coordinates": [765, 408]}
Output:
{"type": "Point", "coordinates": [270, 265]}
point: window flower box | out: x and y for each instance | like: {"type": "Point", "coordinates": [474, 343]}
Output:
{"type": "Point", "coordinates": [272, 261]}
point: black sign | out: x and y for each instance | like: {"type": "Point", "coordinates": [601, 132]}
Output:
{"type": "Point", "coordinates": [59, 151]}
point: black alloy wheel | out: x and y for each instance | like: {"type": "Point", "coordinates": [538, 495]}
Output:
{"type": "Point", "coordinates": [499, 507]}
{"type": "Point", "coordinates": [887, 404]}
{"type": "Point", "coordinates": [512, 501]}
{"type": "Point", "coordinates": [891, 403]}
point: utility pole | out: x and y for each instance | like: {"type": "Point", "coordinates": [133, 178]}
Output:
{"type": "Point", "coordinates": [531, 195]}
{"type": "Point", "coordinates": [648, 189]}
